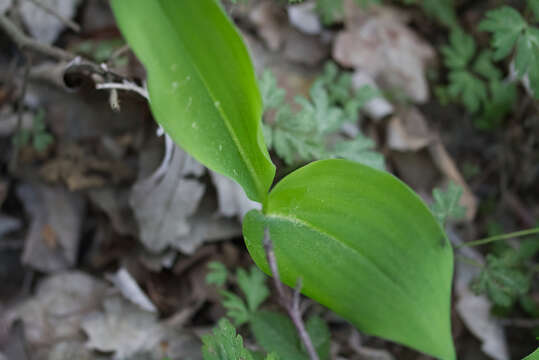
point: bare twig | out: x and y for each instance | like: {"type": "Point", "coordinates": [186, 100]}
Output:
{"type": "Point", "coordinates": [67, 22]}
{"type": "Point", "coordinates": [291, 305]}
{"type": "Point", "coordinates": [125, 85]}
{"type": "Point", "coordinates": [26, 42]}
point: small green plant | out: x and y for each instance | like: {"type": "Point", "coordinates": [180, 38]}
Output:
{"type": "Point", "coordinates": [512, 33]}
{"type": "Point", "coordinates": [476, 82]}
{"type": "Point", "coordinates": [507, 275]}
{"type": "Point", "coordinates": [446, 203]}
{"type": "Point", "coordinates": [38, 135]}
{"type": "Point", "coordinates": [273, 331]}
{"type": "Point", "coordinates": [312, 132]}
{"type": "Point", "coordinates": [340, 226]}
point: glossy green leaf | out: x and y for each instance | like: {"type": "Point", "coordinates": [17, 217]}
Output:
{"type": "Point", "coordinates": [365, 246]}
{"type": "Point", "coordinates": [533, 356]}
{"type": "Point", "coordinates": [202, 85]}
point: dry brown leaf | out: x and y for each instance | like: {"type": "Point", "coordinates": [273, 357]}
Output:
{"type": "Point", "coordinates": [53, 238]}
{"type": "Point", "coordinates": [56, 310]}
{"type": "Point", "coordinates": [408, 130]}
{"type": "Point", "coordinates": [44, 26]}
{"type": "Point", "coordinates": [378, 41]}
{"type": "Point", "coordinates": [162, 204]}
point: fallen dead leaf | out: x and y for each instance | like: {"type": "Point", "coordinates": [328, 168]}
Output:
{"type": "Point", "coordinates": [4, 5]}
{"type": "Point", "coordinates": [115, 203]}
{"type": "Point", "coordinates": [122, 328]}
{"type": "Point", "coordinates": [231, 198]}
{"type": "Point", "coordinates": [8, 224]}
{"type": "Point", "coordinates": [163, 203]}
{"type": "Point", "coordinates": [53, 238]}
{"type": "Point", "coordinates": [475, 310]}
{"type": "Point", "coordinates": [79, 169]}
{"type": "Point", "coordinates": [408, 130]}
{"type": "Point", "coordinates": [56, 310]}
{"type": "Point", "coordinates": [42, 25]}
{"type": "Point", "coordinates": [270, 23]}
{"type": "Point", "coordinates": [131, 291]}
{"type": "Point", "coordinates": [377, 40]}
{"type": "Point", "coordinates": [304, 18]}
{"type": "Point", "coordinates": [377, 108]}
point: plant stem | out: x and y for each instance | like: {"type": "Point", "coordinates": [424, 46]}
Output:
{"type": "Point", "coordinates": [291, 305]}
{"type": "Point", "coordinates": [500, 237]}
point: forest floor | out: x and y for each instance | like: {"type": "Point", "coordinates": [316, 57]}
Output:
{"type": "Point", "coordinates": [101, 260]}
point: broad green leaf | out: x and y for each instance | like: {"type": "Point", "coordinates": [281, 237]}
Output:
{"type": "Point", "coordinates": [202, 85]}
{"type": "Point", "coordinates": [534, 356]}
{"type": "Point", "coordinates": [365, 246]}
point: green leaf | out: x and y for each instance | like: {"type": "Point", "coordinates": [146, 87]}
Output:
{"type": "Point", "coordinates": [483, 66]}
{"type": "Point", "coordinates": [446, 203]}
{"type": "Point", "coordinates": [275, 332]}
{"type": "Point", "coordinates": [224, 344]}
{"type": "Point", "coordinates": [272, 95]}
{"type": "Point", "coordinates": [442, 10]}
{"type": "Point", "coordinates": [498, 105]}
{"type": "Point", "coordinates": [329, 10]}
{"type": "Point", "coordinates": [534, 356]}
{"type": "Point", "coordinates": [467, 88]}
{"type": "Point", "coordinates": [534, 6]}
{"type": "Point", "coordinates": [360, 150]}
{"type": "Point", "coordinates": [460, 51]}
{"type": "Point", "coordinates": [42, 140]}
{"type": "Point", "coordinates": [506, 25]}
{"type": "Point", "coordinates": [320, 336]}
{"type": "Point", "coordinates": [502, 281]}
{"type": "Point", "coordinates": [254, 287]}
{"type": "Point", "coordinates": [217, 274]}
{"type": "Point", "coordinates": [365, 246]}
{"type": "Point", "coordinates": [202, 85]}
{"type": "Point", "coordinates": [527, 57]}
{"type": "Point", "coordinates": [236, 309]}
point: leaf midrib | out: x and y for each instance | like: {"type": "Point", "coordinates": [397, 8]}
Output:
{"type": "Point", "coordinates": [307, 224]}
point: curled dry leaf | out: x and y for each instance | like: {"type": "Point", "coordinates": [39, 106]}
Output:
{"type": "Point", "coordinates": [163, 203]}
{"type": "Point", "coordinates": [129, 288]}
{"type": "Point", "coordinates": [53, 238]}
{"type": "Point", "coordinates": [377, 40]}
